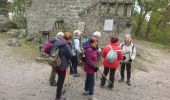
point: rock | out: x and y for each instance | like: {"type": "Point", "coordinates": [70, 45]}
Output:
{"type": "Point", "coordinates": [23, 33]}
{"type": "Point", "coordinates": [13, 42]}
{"type": "Point", "coordinates": [5, 24]}
{"type": "Point", "coordinates": [18, 33]}
{"type": "Point", "coordinates": [15, 33]}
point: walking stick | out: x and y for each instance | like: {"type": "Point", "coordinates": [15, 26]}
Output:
{"type": "Point", "coordinates": [105, 77]}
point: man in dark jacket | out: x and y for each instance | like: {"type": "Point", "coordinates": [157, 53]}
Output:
{"type": "Point", "coordinates": [65, 55]}
{"type": "Point", "coordinates": [59, 36]}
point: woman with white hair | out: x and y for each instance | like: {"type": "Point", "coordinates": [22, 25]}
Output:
{"type": "Point", "coordinates": [52, 80]}
{"type": "Point", "coordinates": [75, 50]}
{"type": "Point", "coordinates": [129, 53]}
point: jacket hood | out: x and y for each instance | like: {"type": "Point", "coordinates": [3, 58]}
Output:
{"type": "Point", "coordinates": [59, 43]}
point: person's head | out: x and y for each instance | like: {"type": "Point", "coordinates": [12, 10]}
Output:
{"type": "Point", "coordinates": [77, 33]}
{"type": "Point", "coordinates": [127, 38]}
{"type": "Point", "coordinates": [114, 39]}
{"type": "Point", "coordinates": [67, 36]}
{"type": "Point", "coordinates": [97, 34]}
{"type": "Point", "coordinates": [60, 35]}
{"type": "Point", "coordinates": [93, 42]}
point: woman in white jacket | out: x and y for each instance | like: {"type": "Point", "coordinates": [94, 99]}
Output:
{"type": "Point", "coordinates": [129, 54]}
{"type": "Point", "coordinates": [75, 50]}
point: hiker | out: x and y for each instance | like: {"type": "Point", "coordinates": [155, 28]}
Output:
{"type": "Point", "coordinates": [96, 34]}
{"type": "Point", "coordinates": [129, 53]}
{"type": "Point", "coordinates": [90, 67]}
{"type": "Point", "coordinates": [52, 80]}
{"type": "Point", "coordinates": [76, 51]}
{"type": "Point", "coordinates": [65, 55]}
{"type": "Point", "coordinates": [111, 66]}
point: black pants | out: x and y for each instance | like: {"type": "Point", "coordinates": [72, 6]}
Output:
{"type": "Point", "coordinates": [111, 77]}
{"type": "Point", "coordinates": [60, 82]}
{"type": "Point", "coordinates": [128, 69]}
{"type": "Point", "coordinates": [89, 84]}
{"type": "Point", "coordinates": [73, 68]}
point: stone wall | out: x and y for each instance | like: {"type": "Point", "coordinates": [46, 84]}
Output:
{"type": "Point", "coordinates": [95, 17]}
{"type": "Point", "coordinates": [42, 15]}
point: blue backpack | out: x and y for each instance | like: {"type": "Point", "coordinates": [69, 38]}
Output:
{"type": "Point", "coordinates": [112, 55]}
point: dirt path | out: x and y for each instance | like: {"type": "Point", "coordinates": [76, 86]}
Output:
{"type": "Point", "coordinates": [25, 79]}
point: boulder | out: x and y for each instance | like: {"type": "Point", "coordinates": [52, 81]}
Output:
{"type": "Point", "coordinates": [18, 33]}
{"type": "Point", "coordinates": [15, 33]}
{"type": "Point", "coordinates": [23, 33]}
{"type": "Point", "coordinates": [5, 24]}
{"type": "Point", "coordinates": [13, 42]}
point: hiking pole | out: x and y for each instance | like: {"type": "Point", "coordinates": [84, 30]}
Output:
{"type": "Point", "coordinates": [119, 70]}
{"type": "Point", "coordinates": [68, 76]}
{"type": "Point", "coordinates": [98, 67]}
{"type": "Point", "coordinates": [105, 77]}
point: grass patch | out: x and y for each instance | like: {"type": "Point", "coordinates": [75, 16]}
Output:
{"type": "Point", "coordinates": [25, 50]}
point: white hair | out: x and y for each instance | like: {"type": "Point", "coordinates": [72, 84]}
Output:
{"type": "Point", "coordinates": [97, 33]}
{"type": "Point", "coordinates": [77, 32]}
{"type": "Point", "coordinates": [60, 34]}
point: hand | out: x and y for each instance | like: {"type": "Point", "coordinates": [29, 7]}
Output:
{"type": "Point", "coordinates": [99, 50]}
{"type": "Point", "coordinates": [124, 57]}
{"type": "Point", "coordinates": [96, 69]}
{"type": "Point", "coordinates": [130, 61]}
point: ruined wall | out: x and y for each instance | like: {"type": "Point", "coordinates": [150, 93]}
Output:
{"type": "Point", "coordinates": [118, 12]}
{"type": "Point", "coordinates": [43, 13]}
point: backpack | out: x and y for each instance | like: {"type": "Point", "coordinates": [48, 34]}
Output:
{"type": "Point", "coordinates": [112, 55]}
{"type": "Point", "coordinates": [47, 47]}
{"type": "Point", "coordinates": [54, 59]}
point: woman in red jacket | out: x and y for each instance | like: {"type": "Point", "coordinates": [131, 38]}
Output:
{"type": "Point", "coordinates": [111, 66]}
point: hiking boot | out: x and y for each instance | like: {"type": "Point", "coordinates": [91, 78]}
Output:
{"type": "Point", "coordinates": [63, 91]}
{"type": "Point", "coordinates": [92, 97]}
{"type": "Point", "coordinates": [128, 82]}
{"type": "Point", "coordinates": [77, 75]}
{"type": "Point", "coordinates": [61, 98]}
{"type": "Point", "coordinates": [85, 92]}
{"type": "Point", "coordinates": [121, 80]}
{"type": "Point", "coordinates": [53, 83]}
{"type": "Point", "coordinates": [110, 87]}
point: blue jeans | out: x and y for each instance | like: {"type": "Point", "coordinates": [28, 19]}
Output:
{"type": "Point", "coordinates": [89, 84]}
{"type": "Point", "coordinates": [73, 68]}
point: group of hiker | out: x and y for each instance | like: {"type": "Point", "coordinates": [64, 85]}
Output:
{"type": "Point", "coordinates": [114, 54]}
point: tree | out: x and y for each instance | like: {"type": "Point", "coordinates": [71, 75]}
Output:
{"type": "Point", "coordinates": [144, 9]}
{"type": "Point", "coordinates": [157, 16]}
{"type": "Point", "coordinates": [18, 10]}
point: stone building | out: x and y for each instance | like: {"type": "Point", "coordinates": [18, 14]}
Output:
{"type": "Point", "coordinates": [54, 15]}
{"type": "Point", "coordinates": [111, 17]}
{"type": "Point", "coordinates": [108, 16]}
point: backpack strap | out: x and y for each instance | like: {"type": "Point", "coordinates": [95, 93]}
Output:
{"type": "Point", "coordinates": [110, 47]}
{"type": "Point", "coordinates": [122, 46]}
{"type": "Point", "coordinates": [133, 47]}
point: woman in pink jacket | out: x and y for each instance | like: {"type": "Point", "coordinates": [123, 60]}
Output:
{"type": "Point", "coordinates": [91, 55]}
{"type": "Point", "coordinates": [111, 66]}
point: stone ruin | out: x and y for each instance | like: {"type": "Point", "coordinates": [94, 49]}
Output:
{"type": "Point", "coordinates": [111, 17]}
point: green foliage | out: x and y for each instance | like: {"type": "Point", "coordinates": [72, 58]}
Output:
{"type": "Point", "coordinates": [4, 7]}
{"type": "Point", "coordinates": [18, 10]}
{"type": "Point", "coordinates": [156, 28]}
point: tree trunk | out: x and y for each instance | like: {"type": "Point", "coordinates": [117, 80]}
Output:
{"type": "Point", "coordinates": [148, 30]}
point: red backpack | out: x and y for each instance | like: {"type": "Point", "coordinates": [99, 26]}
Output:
{"type": "Point", "coordinates": [47, 47]}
